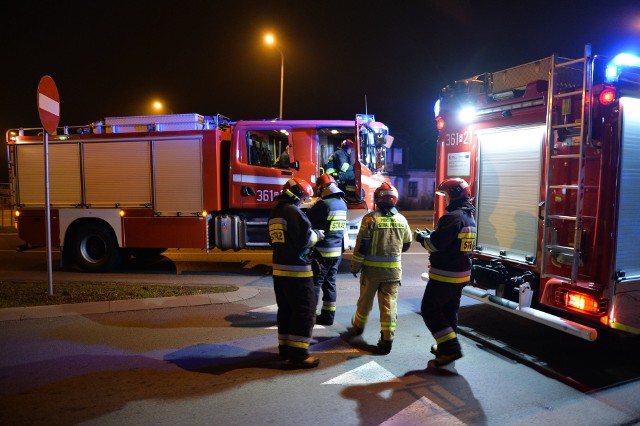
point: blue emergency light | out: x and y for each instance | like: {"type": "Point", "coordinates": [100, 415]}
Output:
{"type": "Point", "coordinates": [618, 63]}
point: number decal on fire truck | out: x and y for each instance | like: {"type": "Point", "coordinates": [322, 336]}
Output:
{"type": "Point", "coordinates": [266, 195]}
{"type": "Point", "coordinates": [454, 139]}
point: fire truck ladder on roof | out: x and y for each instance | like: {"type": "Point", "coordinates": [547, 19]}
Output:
{"type": "Point", "coordinates": [579, 132]}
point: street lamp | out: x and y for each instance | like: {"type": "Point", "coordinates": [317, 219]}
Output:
{"type": "Point", "coordinates": [270, 40]}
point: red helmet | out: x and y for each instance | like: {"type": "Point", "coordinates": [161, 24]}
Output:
{"type": "Point", "coordinates": [347, 144]}
{"type": "Point", "coordinates": [296, 189]}
{"type": "Point", "coordinates": [386, 195]}
{"type": "Point", "coordinates": [455, 188]}
{"type": "Point", "coordinates": [326, 185]}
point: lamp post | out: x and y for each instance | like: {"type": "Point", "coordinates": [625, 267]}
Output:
{"type": "Point", "coordinates": [269, 39]}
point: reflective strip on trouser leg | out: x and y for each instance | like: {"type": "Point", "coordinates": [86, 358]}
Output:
{"type": "Point", "coordinates": [388, 303]}
{"type": "Point", "coordinates": [296, 314]}
{"type": "Point", "coordinates": [368, 291]}
{"type": "Point", "coordinates": [328, 306]}
{"type": "Point", "coordinates": [439, 310]}
{"type": "Point", "coordinates": [447, 341]}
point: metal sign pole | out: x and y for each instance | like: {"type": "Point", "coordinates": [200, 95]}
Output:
{"type": "Point", "coordinates": [49, 111]}
{"type": "Point", "coordinates": [47, 208]}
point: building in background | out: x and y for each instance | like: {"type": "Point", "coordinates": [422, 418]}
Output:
{"type": "Point", "coordinates": [416, 187]}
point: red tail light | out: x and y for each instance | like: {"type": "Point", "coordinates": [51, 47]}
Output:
{"type": "Point", "coordinates": [439, 123]}
{"type": "Point", "coordinates": [607, 96]}
{"type": "Point", "coordinates": [580, 302]}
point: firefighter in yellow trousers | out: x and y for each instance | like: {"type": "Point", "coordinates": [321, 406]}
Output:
{"type": "Point", "coordinates": [384, 235]}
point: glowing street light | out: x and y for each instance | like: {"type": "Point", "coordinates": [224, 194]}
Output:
{"type": "Point", "coordinates": [157, 105]}
{"type": "Point", "coordinates": [270, 40]}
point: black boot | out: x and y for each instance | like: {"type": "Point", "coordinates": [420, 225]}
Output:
{"type": "Point", "coordinates": [384, 346]}
{"type": "Point", "coordinates": [324, 319]}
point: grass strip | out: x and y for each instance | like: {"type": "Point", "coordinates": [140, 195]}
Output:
{"type": "Point", "coordinates": [36, 293]}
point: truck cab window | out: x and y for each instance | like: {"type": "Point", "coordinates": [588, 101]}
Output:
{"type": "Point", "coordinates": [264, 147]}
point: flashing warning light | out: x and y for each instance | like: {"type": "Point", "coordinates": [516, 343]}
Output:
{"type": "Point", "coordinates": [619, 62]}
{"type": "Point", "coordinates": [436, 108]}
{"type": "Point", "coordinates": [121, 213]}
{"type": "Point", "coordinates": [439, 123]}
{"type": "Point", "coordinates": [467, 114]}
{"type": "Point", "coordinates": [17, 213]}
{"type": "Point", "coordinates": [607, 96]}
{"type": "Point", "coordinates": [204, 213]}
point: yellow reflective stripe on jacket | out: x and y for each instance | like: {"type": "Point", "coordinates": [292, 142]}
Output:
{"type": "Point", "coordinates": [383, 261]}
{"type": "Point", "coordinates": [378, 264]}
{"type": "Point", "coordinates": [453, 280]}
{"type": "Point", "coordinates": [292, 270]}
{"type": "Point", "coordinates": [328, 253]}
{"type": "Point", "coordinates": [313, 239]}
{"type": "Point", "coordinates": [345, 167]}
{"type": "Point", "coordinates": [337, 215]}
{"type": "Point", "coordinates": [292, 274]}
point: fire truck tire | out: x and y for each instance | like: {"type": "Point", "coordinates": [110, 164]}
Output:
{"type": "Point", "coordinates": [95, 248]}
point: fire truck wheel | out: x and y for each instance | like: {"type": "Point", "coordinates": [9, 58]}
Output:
{"type": "Point", "coordinates": [95, 248]}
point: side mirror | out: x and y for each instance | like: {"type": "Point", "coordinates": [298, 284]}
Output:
{"type": "Point", "coordinates": [295, 165]}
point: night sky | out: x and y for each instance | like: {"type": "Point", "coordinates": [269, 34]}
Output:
{"type": "Point", "coordinates": [113, 58]}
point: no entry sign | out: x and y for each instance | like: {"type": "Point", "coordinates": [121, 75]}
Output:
{"type": "Point", "coordinates": [48, 104]}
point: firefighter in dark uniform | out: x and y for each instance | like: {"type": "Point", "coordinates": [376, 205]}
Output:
{"type": "Point", "coordinates": [450, 246]}
{"type": "Point", "coordinates": [384, 235]}
{"type": "Point", "coordinates": [339, 166]}
{"type": "Point", "coordinates": [293, 238]}
{"type": "Point", "coordinates": [329, 213]}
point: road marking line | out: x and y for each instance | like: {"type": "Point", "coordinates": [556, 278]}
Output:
{"type": "Point", "coordinates": [423, 411]}
{"type": "Point", "coordinates": [372, 372]}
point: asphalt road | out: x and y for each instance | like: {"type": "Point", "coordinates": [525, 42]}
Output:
{"type": "Point", "coordinates": [217, 364]}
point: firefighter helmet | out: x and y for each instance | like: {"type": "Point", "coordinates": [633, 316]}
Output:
{"type": "Point", "coordinates": [296, 189]}
{"type": "Point", "coordinates": [347, 144]}
{"type": "Point", "coordinates": [326, 185]}
{"type": "Point", "coordinates": [455, 188]}
{"type": "Point", "coordinates": [386, 195]}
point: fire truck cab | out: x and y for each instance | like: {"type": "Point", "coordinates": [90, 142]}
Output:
{"type": "Point", "coordinates": [551, 150]}
{"type": "Point", "coordinates": [135, 186]}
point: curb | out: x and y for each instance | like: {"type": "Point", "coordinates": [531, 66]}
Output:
{"type": "Point", "coordinates": [71, 309]}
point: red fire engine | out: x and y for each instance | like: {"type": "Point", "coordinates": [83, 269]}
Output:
{"type": "Point", "coordinates": [135, 186]}
{"type": "Point", "coordinates": [551, 150]}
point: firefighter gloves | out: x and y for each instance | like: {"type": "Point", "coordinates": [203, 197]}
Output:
{"type": "Point", "coordinates": [420, 235]}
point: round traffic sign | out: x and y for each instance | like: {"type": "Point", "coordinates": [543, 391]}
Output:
{"type": "Point", "coordinates": [48, 104]}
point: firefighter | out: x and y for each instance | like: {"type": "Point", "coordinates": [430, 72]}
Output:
{"type": "Point", "coordinates": [330, 215]}
{"type": "Point", "coordinates": [340, 167]}
{"type": "Point", "coordinates": [283, 162]}
{"type": "Point", "coordinates": [384, 235]}
{"type": "Point", "coordinates": [293, 238]}
{"type": "Point", "coordinates": [450, 246]}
